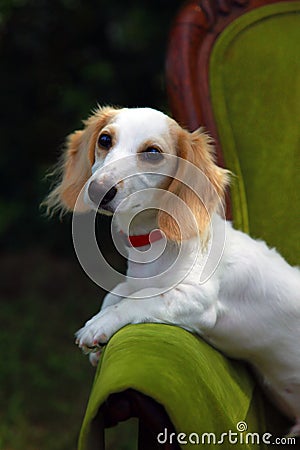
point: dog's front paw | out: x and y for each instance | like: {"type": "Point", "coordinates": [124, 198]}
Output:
{"type": "Point", "coordinates": [90, 338]}
{"type": "Point", "coordinates": [98, 330]}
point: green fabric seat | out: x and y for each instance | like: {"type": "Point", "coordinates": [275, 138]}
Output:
{"type": "Point", "coordinates": [255, 89]}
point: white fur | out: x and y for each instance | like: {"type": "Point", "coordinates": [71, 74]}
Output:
{"type": "Point", "coordinates": [249, 308]}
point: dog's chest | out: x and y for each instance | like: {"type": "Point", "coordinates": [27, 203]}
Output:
{"type": "Point", "coordinates": [161, 265]}
{"type": "Point", "coordinates": [148, 262]}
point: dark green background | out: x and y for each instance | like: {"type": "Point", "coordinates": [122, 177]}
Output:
{"type": "Point", "coordinates": [59, 58]}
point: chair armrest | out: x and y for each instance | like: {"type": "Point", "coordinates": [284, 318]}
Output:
{"type": "Point", "coordinates": [200, 390]}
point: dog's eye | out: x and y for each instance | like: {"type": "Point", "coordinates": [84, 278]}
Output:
{"type": "Point", "coordinates": [105, 141]}
{"type": "Point", "coordinates": [151, 154]}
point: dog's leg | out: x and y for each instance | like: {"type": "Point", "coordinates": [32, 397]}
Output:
{"type": "Point", "coordinates": [186, 306]}
{"type": "Point", "coordinates": [120, 291]}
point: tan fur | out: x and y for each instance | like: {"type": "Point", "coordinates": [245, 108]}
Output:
{"type": "Point", "coordinates": [76, 164]}
{"type": "Point", "coordinates": [195, 148]}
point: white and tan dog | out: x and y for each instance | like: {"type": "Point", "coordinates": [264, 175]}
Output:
{"type": "Point", "coordinates": [249, 306]}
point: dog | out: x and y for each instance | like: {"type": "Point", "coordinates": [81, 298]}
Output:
{"type": "Point", "coordinates": [163, 187]}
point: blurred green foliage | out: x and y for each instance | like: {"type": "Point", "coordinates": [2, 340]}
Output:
{"type": "Point", "coordinates": [44, 379]}
{"type": "Point", "coordinates": [59, 58]}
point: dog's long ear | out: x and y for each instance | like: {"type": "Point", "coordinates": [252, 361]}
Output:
{"type": "Point", "coordinates": [75, 169]}
{"type": "Point", "coordinates": [75, 166]}
{"type": "Point", "coordinates": [198, 182]}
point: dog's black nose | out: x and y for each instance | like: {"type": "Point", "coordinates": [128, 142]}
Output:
{"type": "Point", "coordinates": [100, 193]}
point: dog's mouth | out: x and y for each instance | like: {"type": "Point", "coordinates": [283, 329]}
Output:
{"type": "Point", "coordinates": [121, 206]}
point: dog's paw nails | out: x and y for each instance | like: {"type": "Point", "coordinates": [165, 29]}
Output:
{"type": "Point", "coordinates": [85, 350]}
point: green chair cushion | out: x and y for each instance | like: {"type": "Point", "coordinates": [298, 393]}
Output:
{"type": "Point", "coordinates": [255, 92]}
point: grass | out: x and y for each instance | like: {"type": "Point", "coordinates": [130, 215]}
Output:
{"type": "Point", "coordinates": [45, 380]}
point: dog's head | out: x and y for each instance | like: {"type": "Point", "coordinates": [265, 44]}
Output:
{"type": "Point", "coordinates": [129, 160]}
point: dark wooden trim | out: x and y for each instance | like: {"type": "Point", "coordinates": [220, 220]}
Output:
{"type": "Point", "coordinates": [192, 36]}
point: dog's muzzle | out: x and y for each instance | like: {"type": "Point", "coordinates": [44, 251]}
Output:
{"type": "Point", "coordinates": [100, 193]}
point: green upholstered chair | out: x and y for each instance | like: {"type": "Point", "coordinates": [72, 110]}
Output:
{"type": "Point", "coordinates": [234, 66]}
